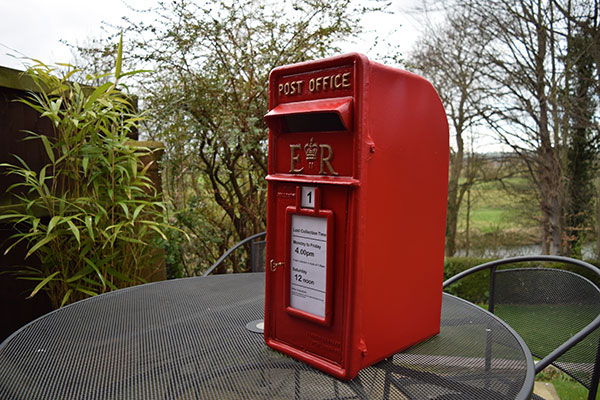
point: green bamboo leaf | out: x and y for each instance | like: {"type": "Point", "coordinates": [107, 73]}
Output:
{"type": "Point", "coordinates": [55, 106]}
{"type": "Point", "coordinates": [137, 211]}
{"type": "Point", "coordinates": [72, 71]}
{"type": "Point", "coordinates": [23, 219]}
{"type": "Point", "coordinates": [125, 208]}
{"type": "Point", "coordinates": [84, 163]}
{"type": "Point", "coordinates": [145, 169]}
{"type": "Point", "coordinates": [29, 278]}
{"type": "Point", "coordinates": [101, 77]}
{"type": "Point", "coordinates": [119, 275]}
{"type": "Point", "coordinates": [43, 175]}
{"type": "Point", "coordinates": [14, 186]}
{"type": "Point", "coordinates": [15, 243]}
{"type": "Point", "coordinates": [93, 282]}
{"type": "Point", "coordinates": [95, 268]}
{"type": "Point", "coordinates": [42, 284]}
{"type": "Point", "coordinates": [155, 228]}
{"type": "Point", "coordinates": [36, 223]}
{"type": "Point", "coordinates": [23, 163]}
{"type": "Point", "coordinates": [119, 61]}
{"type": "Point", "coordinates": [66, 297]}
{"type": "Point", "coordinates": [133, 166]}
{"type": "Point", "coordinates": [95, 94]}
{"type": "Point", "coordinates": [88, 224]}
{"type": "Point", "coordinates": [48, 147]}
{"type": "Point", "coordinates": [111, 285]}
{"type": "Point", "coordinates": [132, 240]}
{"type": "Point", "coordinates": [41, 243]}
{"type": "Point", "coordinates": [61, 158]}
{"type": "Point", "coordinates": [80, 274]}
{"type": "Point", "coordinates": [86, 291]}
{"type": "Point", "coordinates": [53, 223]}
{"type": "Point", "coordinates": [10, 216]}
{"type": "Point", "coordinates": [86, 248]}
{"type": "Point", "coordinates": [74, 230]}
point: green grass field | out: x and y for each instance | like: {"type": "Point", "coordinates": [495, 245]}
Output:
{"type": "Point", "coordinates": [494, 207]}
{"type": "Point", "coordinates": [498, 218]}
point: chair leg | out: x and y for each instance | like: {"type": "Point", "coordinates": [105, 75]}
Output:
{"type": "Point", "coordinates": [595, 375]}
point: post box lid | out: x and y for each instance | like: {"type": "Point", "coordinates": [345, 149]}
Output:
{"type": "Point", "coordinates": [340, 106]}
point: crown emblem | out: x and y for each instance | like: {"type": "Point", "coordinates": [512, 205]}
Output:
{"type": "Point", "coordinates": [311, 149]}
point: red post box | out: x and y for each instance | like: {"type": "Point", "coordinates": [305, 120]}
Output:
{"type": "Point", "coordinates": [357, 187]}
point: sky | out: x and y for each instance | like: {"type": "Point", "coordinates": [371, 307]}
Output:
{"type": "Point", "coordinates": [35, 28]}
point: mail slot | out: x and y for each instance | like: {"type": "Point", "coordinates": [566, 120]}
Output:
{"type": "Point", "coordinates": [357, 187]}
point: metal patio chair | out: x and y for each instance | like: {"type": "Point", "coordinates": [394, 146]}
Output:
{"type": "Point", "coordinates": [556, 311]}
{"type": "Point", "coordinates": [257, 253]}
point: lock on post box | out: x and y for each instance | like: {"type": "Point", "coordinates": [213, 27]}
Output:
{"type": "Point", "coordinates": [356, 215]}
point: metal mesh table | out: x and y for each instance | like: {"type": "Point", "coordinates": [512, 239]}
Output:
{"type": "Point", "coordinates": [187, 339]}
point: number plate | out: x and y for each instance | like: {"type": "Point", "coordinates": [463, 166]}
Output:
{"type": "Point", "coordinates": [308, 197]}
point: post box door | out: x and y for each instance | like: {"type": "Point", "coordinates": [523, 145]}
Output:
{"type": "Point", "coordinates": [308, 253]}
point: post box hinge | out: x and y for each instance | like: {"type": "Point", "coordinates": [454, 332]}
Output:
{"type": "Point", "coordinates": [274, 265]}
{"type": "Point", "coordinates": [362, 347]}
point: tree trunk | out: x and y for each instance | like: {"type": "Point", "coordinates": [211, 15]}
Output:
{"type": "Point", "coordinates": [453, 195]}
{"type": "Point", "coordinates": [467, 238]}
{"type": "Point", "coordinates": [551, 204]}
{"type": "Point", "coordinates": [549, 165]}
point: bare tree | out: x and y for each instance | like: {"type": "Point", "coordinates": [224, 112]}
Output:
{"type": "Point", "coordinates": [450, 55]}
{"type": "Point", "coordinates": [536, 64]}
{"type": "Point", "coordinates": [525, 81]}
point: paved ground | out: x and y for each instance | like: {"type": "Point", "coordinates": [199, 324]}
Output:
{"type": "Point", "coordinates": [545, 390]}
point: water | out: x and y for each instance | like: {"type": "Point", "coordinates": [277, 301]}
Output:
{"type": "Point", "coordinates": [588, 250]}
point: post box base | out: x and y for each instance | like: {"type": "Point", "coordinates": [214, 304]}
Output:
{"type": "Point", "coordinates": [332, 368]}
{"type": "Point", "coordinates": [319, 363]}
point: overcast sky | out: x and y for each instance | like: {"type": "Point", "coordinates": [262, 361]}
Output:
{"type": "Point", "coordinates": [35, 28]}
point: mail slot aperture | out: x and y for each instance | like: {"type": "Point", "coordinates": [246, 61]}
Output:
{"type": "Point", "coordinates": [327, 115]}
{"type": "Point", "coordinates": [315, 122]}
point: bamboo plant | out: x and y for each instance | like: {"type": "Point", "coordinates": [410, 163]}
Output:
{"type": "Point", "coordinates": [90, 214]}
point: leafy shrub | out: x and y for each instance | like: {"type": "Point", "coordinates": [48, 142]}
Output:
{"type": "Point", "coordinates": [475, 287]}
{"type": "Point", "coordinates": [90, 214]}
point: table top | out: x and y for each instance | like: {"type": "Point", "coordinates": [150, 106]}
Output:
{"type": "Point", "coordinates": [187, 339]}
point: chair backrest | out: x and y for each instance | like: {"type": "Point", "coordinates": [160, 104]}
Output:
{"type": "Point", "coordinates": [258, 255]}
{"type": "Point", "coordinates": [547, 307]}
{"type": "Point", "coordinates": [555, 311]}
{"type": "Point", "coordinates": [254, 253]}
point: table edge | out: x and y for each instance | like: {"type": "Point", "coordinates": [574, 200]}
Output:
{"type": "Point", "coordinates": [527, 389]}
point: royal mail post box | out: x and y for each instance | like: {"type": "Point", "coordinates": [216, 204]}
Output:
{"type": "Point", "coordinates": [357, 186]}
